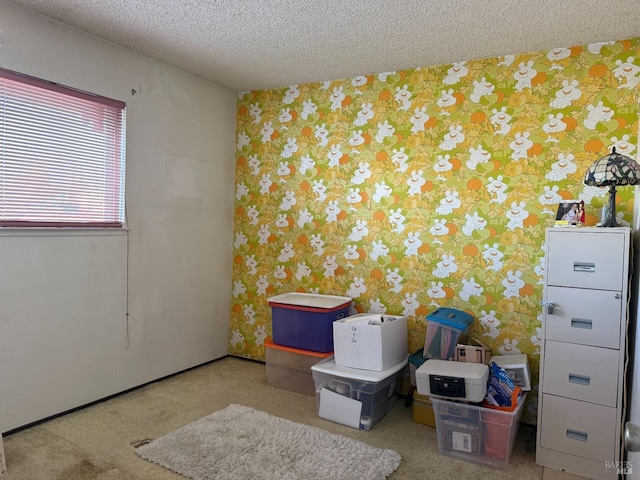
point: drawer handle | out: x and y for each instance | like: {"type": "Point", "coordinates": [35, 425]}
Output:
{"type": "Point", "coordinates": [579, 379]}
{"type": "Point", "coordinates": [582, 323]}
{"type": "Point", "coordinates": [584, 267]}
{"type": "Point", "coordinates": [577, 435]}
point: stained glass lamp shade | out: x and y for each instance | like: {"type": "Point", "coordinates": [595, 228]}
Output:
{"type": "Point", "coordinates": [611, 171]}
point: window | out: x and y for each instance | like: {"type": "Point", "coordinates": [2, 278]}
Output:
{"type": "Point", "coordinates": [62, 155]}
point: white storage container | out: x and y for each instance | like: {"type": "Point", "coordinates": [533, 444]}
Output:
{"type": "Point", "coordinates": [517, 367]}
{"type": "Point", "coordinates": [370, 341]}
{"type": "Point", "coordinates": [477, 434]}
{"type": "Point", "coordinates": [356, 398]}
{"type": "Point", "coordinates": [458, 380]}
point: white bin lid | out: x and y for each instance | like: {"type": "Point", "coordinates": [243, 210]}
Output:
{"type": "Point", "coordinates": [329, 367]}
{"type": "Point", "coordinates": [315, 300]}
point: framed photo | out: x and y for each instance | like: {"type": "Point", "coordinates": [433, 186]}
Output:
{"type": "Point", "coordinates": [570, 212]}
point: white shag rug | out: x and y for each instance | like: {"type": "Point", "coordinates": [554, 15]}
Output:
{"type": "Point", "coordinates": [240, 443]}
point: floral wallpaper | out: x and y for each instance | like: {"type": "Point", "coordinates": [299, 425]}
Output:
{"type": "Point", "coordinates": [422, 188]}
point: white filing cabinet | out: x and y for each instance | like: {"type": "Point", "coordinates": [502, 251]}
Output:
{"type": "Point", "coordinates": [585, 305]}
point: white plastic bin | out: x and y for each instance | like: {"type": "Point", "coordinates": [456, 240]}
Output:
{"type": "Point", "coordinates": [353, 397]}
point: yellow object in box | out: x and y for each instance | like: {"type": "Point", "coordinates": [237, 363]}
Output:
{"type": "Point", "coordinates": [423, 410]}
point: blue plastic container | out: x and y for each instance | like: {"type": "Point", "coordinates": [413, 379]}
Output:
{"type": "Point", "coordinates": [305, 320]}
{"type": "Point", "coordinates": [444, 326]}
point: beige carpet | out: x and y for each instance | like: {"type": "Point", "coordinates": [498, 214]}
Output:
{"type": "Point", "coordinates": [96, 443]}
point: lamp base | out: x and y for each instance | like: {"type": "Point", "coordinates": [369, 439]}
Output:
{"type": "Point", "coordinates": [611, 220]}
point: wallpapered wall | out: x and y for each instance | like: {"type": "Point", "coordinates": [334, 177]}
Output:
{"type": "Point", "coordinates": [416, 189]}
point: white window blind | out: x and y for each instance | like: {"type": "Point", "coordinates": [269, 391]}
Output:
{"type": "Point", "coordinates": [62, 155]}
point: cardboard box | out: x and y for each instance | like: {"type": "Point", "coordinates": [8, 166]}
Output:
{"type": "Point", "coordinates": [476, 352]}
{"type": "Point", "coordinates": [3, 463]}
{"type": "Point", "coordinates": [370, 341]}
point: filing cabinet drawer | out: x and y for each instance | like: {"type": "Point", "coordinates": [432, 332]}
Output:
{"type": "Point", "coordinates": [578, 428]}
{"type": "Point", "coordinates": [589, 317]}
{"type": "Point", "coordinates": [585, 260]}
{"type": "Point", "coordinates": [581, 372]}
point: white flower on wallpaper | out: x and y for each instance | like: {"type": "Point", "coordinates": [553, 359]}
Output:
{"type": "Point", "coordinates": [285, 117]}
{"type": "Point", "coordinates": [589, 192]}
{"type": "Point", "coordinates": [304, 218]}
{"type": "Point", "coordinates": [539, 270]}
{"type": "Point", "coordinates": [334, 155]}
{"type": "Point", "coordinates": [251, 263]}
{"type": "Point", "coordinates": [249, 314]}
{"type": "Point", "coordinates": [253, 215]}
{"type": "Point", "coordinates": [557, 55]}
{"type": "Point", "coordinates": [243, 140]}
{"type": "Point", "coordinates": [445, 101]}
{"type": "Point", "coordinates": [260, 334]}
{"type": "Point", "coordinates": [239, 240]}
{"type": "Point", "coordinates": [288, 201]}
{"type": "Point", "coordinates": [493, 256]}
{"type": "Point", "coordinates": [351, 254]}
{"type": "Point", "coordinates": [376, 306]}
{"type": "Point", "coordinates": [336, 98]}
{"type": "Point", "coordinates": [306, 164]}
{"type": "Point", "coordinates": [238, 289]}
{"type": "Point", "coordinates": [397, 219]}
{"type": "Point", "coordinates": [361, 174]}
{"type": "Point", "coordinates": [442, 165]}
{"type": "Point", "coordinates": [236, 338]}
{"type": "Point", "coordinates": [354, 198]}
{"type": "Point", "coordinates": [262, 285]}
{"type": "Point", "coordinates": [290, 148]}
{"type": "Point", "coordinates": [506, 60]}
{"type": "Point", "coordinates": [302, 271]}
{"type": "Point", "coordinates": [332, 211]}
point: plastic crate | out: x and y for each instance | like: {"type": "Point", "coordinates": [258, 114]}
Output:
{"type": "Point", "coordinates": [305, 320]}
{"type": "Point", "coordinates": [477, 434]}
{"type": "Point", "coordinates": [290, 368]}
{"type": "Point", "coordinates": [444, 327]}
{"type": "Point", "coordinates": [372, 393]}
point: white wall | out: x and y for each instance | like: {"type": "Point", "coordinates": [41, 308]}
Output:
{"type": "Point", "coordinates": [64, 339]}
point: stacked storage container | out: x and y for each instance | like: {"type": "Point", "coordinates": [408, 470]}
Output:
{"type": "Point", "coordinates": [468, 427]}
{"type": "Point", "coordinates": [361, 383]}
{"type": "Point", "coordinates": [302, 335]}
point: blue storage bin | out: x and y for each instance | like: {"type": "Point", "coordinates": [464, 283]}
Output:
{"type": "Point", "coordinates": [444, 326]}
{"type": "Point", "coordinates": [305, 320]}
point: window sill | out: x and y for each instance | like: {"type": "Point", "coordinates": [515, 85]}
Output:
{"type": "Point", "coordinates": [61, 232]}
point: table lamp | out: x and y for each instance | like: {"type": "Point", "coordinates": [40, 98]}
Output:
{"type": "Point", "coordinates": [611, 171]}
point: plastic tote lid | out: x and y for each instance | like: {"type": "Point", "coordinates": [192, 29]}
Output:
{"type": "Point", "coordinates": [313, 300]}
{"type": "Point", "coordinates": [452, 318]}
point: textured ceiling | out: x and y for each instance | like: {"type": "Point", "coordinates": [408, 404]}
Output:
{"type": "Point", "coordinates": [257, 44]}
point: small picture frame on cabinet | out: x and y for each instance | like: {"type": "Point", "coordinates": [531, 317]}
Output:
{"type": "Point", "coordinates": [570, 213]}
